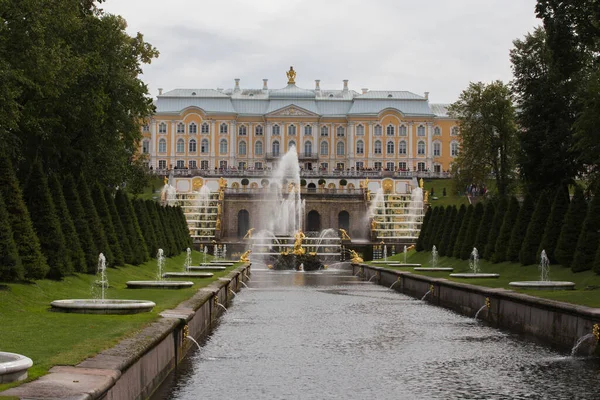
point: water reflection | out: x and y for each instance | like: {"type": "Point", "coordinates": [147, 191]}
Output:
{"type": "Point", "coordinates": [295, 335]}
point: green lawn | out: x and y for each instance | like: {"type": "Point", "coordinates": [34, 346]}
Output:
{"type": "Point", "coordinates": [152, 191]}
{"type": "Point", "coordinates": [587, 284]}
{"type": "Point", "coordinates": [452, 197]}
{"type": "Point", "coordinates": [28, 327]}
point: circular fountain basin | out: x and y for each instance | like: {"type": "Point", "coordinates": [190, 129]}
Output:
{"type": "Point", "coordinates": [188, 274]}
{"type": "Point", "coordinates": [159, 284]}
{"type": "Point", "coordinates": [470, 275]}
{"type": "Point", "coordinates": [206, 268]}
{"type": "Point", "coordinates": [543, 285]}
{"type": "Point", "coordinates": [223, 262]}
{"type": "Point", "coordinates": [13, 367]}
{"type": "Point", "coordinates": [434, 269]}
{"type": "Point", "coordinates": [404, 265]}
{"type": "Point", "coordinates": [110, 306]}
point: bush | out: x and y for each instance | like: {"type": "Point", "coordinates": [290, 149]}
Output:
{"type": "Point", "coordinates": [146, 226]}
{"type": "Point", "coordinates": [321, 182]}
{"type": "Point", "coordinates": [535, 231]}
{"type": "Point", "coordinates": [302, 182]}
{"type": "Point", "coordinates": [560, 206]}
{"type": "Point", "coordinates": [343, 182]}
{"type": "Point", "coordinates": [245, 182]}
{"type": "Point", "coordinates": [107, 224]}
{"type": "Point", "coordinates": [11, 268]}
{"type": "Point", "coordinates": [494, 229]}
{"type": "Point", "coordinates": [571, 226]}
{"type": "Point", "coordinates": [450, 218]}
{"type": "Point", "coordinates": [520, 229]}
{"type": "Point", "coordinates": [432, 237]}
{"type": "Point", "coordinates": [469, 240]}
{"type": "Point", "coordinates": [420, 245]}
{"type": "Point", "coordinates": [462, 233]}
{"type": "Point", "coordinates": [587, 244]}
{"type": "Point", "coordinates": [132, 228]}
{"type": "Point", "coordinates": [483, 231]}
{"type": "Point", "coordinates": [124, 241]}
{"type": "Point", "coordinates": [455, 228]}
{"type": "Point", "coordinates": [503, 240]}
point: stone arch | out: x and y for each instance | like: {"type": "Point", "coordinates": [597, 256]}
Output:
{"type": "Point", "coordinates": [243, 223]}
{"type": "Point", "coordinates": [313, 221]}
{"type": "Point", "coordinates": [311, 187]}
{"type": "Point", "coordinates": [344, 220]}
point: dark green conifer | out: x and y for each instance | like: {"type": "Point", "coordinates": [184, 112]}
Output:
{"type": "Point", "coordinates": [460, 215]}
{"type": "Point", "coordinates": [146, 226]}
{"type": "Point", "coordinates": [122, 237]}
{"type": "Point", "coordinates": [171, 247]}
{"type": "Point", "coordinates": [462, 233]}
{"type": "Point", "coordinates": [469, 240]}
{"type": "Point", "coordinates": [185, 228]}
{"type": "Point", "coordinates": [501, 246]}
{"type": "Point", "coordinates": [420, 245]}
{"type": "Point", "coordinates": [132, 228]}
{"type": "Point", "coordinates": [88, 244]}
{"type": "Point", "coordinates": [28, 244]}
{"type": "Point", "coordinates": [571, 227]}
{"type": "Point", "coordinates": [46, 223]}
{"type": "Point", "coordinates": [11, 268]}
{"type": "Point", "coordinates": [587, 244]}
{"type": "Point", "coordinates": [451, 212]}
{"type": "Point", "coordinates": [535, 231]}
{"type": "Point", "coordinates": [431, 228]}
{"type": "Point", "coordinates": [560, 206]}
{"type": "Point", "coordinates": [161, 241]}
{"type": "Point", "coordinates": [494, 232]}
{"type": "Point", "coordinates": [483, 231]}
{"type": "Point", "coordinates": [177, 228]}
{"type": "Point", "coordinates": [520, 229]}
{"type": "Point", "coordinates": [107, 223]}
{"type": "Point", "coordinates": [437, 229]}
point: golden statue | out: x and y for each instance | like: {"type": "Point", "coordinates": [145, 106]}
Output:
{"type": "Point", "coordinates": [421, 183]}
{"type": "Point", "coordinates": [425, 196]}
{"type": "Point", "coordinates": [166, 180]}
{"type": "Point", "coordinates": [197, 184]}
{"type": "Point", "coordinates": [244, 257]}
{"type": "Point", "coordinates": [298, 250]}
{"type": "Point", "coordinates": [373, 225]}
{"type": "Point", "coordinates": [368, 195]}
{"type": "Point", "coordinates": [218, 226]}
{"type": "Point", "coordinates": [221, 195]}
{"type": "Point", "coordinates": [291, 75]}
{"type": "Point", "coordinates": [219, 209]}
{"type": "Point", "coordinates": [355, 258]}
{"type": "Point", "coordinates": [344, 234]}
{"type": "Point", "coordinates": [249, 234]}
{"type": "Point", "coordinates": [291, 188]}
{"type": "Point", "coordinates": [222, 183]}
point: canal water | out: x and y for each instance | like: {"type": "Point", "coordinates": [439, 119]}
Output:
{"type": "Point", "coordinates": [328, 335]}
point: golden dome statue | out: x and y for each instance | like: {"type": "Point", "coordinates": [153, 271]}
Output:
{"type": "Point", "coordinates": [291, 75]}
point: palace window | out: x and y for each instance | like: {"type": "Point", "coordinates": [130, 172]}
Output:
{"type": "Point", "coordinates": [258, 165]}
{"type": "Point", "coordinates": [204, 164]}
{"type": "Point", "coordinates": [437, 168]}
{"type": "Point", "coordinates": [402, 147]}
{"type": "Point", "coordinates": [258, 148]}
{"type": "Point", "coordinates": [324, 131]}
{"type": "Point", "coordinates": [377, 147]}
{"type": "Point", "coordinates": [162, 164]}
{"type": "Point", "coordinates": [223, 146]}
{"type": "Point", "coordinates": [242, 165]}
{"type": "Point", "coordinates": [162, 146]}
{"type": "Point", "coordinates": [223, 164]}
{"type": "Point", "coordinates": [390, 130]}
{"type": "Point", "coordinates": [162, 128]}
{"type": "Point", "coordinates": [360, 130]}
{"type": "Point", "coordinates": [291, 144]}
{"type": "Point", "coordinates": [146, 146]}
{"type": "Point", "coordinates": [192, 164]}
{"type": "Point", "coordinates": [145, 128]}
{"type": "Point", "coordinates": [340, 166]}
{"type": "Point", "coordinates": [360, 147]}
{"type": "Point", "coordinates": [180, 164]}
{"type": "Point", "coordinates": [402, 130]}
{"type": "Point", "coordinates": [437, 131]}
{"type": "Point", "coordinates": [292, 130]}
{"type": "Point", "coordinates": [341, 148]}
{"type": "Point", "coordinates": [193, 128]}
{"type": "Point", "coordinates": [275, 148]}
{"type": "Point", "coordinates": [258, 130]}
{"type": "Point", "coordinates": [308, 148]}
{"type": "Point", "coordinates": [204, 146]}
{"type": "Point", "coordinates": [242, 130]}
{"type": "Point", "coordinates": [454, 131]}
{"type": "Point", "coordinates": [341, 132]}
{"type": "Point", "coordinates": [192, 146]}
{"type": "Point", "coordinates": [324, 148]}
{"type": "Point", "coordinates": [180, 146]}
{"type": "Point", "coordinates": [421, 148]}
{"type": "Point", "coordinates": [454, 149]}
{"type": "Point", "coordinates": [389, 166]}
{"type": "Point", "coordinates": [378, 130]}
{"type": "Point", "coordinates": [204, 128]}
{"type": "Point", "coordinates": [402, 166]}
{"type": "Point", "coordinates": [421, 130]}
{"type": "Point", "coordinates": [437, 149]}
{"type": "Point", "coordinates": [377, 165]}
{"type": "Point", "coordinates": [390, 147]}
{"type": "Point", "coordinates": [421, 166]}
{"type": "Point", "coordinates": [324, 166]}
{"type": "Point", "coordinates": [307, 130]}
{"type": "Point", "coordinates": [223, 128]}
{"type": "Point", "coordinates": [242, 148]}
{"type": "Point", "coordinates": [276, 130]}
{"type": "Point", "coordinates": [180, 128]}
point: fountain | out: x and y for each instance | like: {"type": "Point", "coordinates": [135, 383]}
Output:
{"type": "Point", "coordinates": [591, 338]}
{"type": "Point", "coordinates": [430, 291]}
{"type": "Point", "coordinates": [160, 282]}
{"type": "Point", "coordinates": [474, 267]}
{"type": "Point", "coordinates": [544, 283]}
{"type": "Point", "coordinates": [433, 263]}
{"type": "Point", "coordinates": [13, 367]}
{"type": "Point", "coordinates": [487, 305]}
{"type": "Point", "coordinates": [188, 267]}
{"type": "Point", "coordinates": [102, 305]}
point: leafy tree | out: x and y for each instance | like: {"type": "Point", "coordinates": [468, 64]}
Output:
{"type": "Point", "coordinates": [455, 229]}
{"type": "Point", "coordinates": [86, 239]}
{"type": "Point", "coordinates": [107, 223]}
{"type": "Point", "coordinates": [570, 229]}
{"type": "Point", "coordinates": [146, 226]}
{"type": "Point", "coordinates": [450, 219]}
{"type": "Point", "coordinates": [11, 268]}
{"type": "Point", "coordinates": [76, 254]}
{"type": "Point", "coordinates": [560, 206]}
{"type": "Point", "coordinates": [93, 221]}
{"type": "Point", "coordinates": [520, 229]}
{"type": "Point", "coordinates": [496, 225]}
{"type": "Point", "coordinates": [587, 244]}
{"type": "Point", "coordinates": [535, 231]}
{"type": "Point", "coordinates": [132, 228]}
{"type": "Point", "coordinates": [122, 237]}
{"type": "Point", "coordinates": [483, 231]}
{"type": "Point", "coordinates": [462, 233]}
{"type": "Point", "coordinates": [486, 117]}
{"type": "Point", "coordinates": [469, 240]}
{"type": "Point", "coordinates": [420, 246]}
{"type": "Point", "coordinates": [502, 243]}
{"type": "Point", "coordinates": [46, 223]}
{"type": "Point", "coordinates": [27, 242]}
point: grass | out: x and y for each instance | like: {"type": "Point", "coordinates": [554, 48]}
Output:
{"type": "Point", "coordinates": [452, 197]}
{"type": "Point", "coordinates": [28, 327]}
{"type": "Point", "coordinates": [587, 283]}
{"type": "Point", "coordinates": [152, 191]}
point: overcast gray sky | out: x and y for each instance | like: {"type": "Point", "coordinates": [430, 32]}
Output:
{"type": "Point", "coordinates": [435, 45]}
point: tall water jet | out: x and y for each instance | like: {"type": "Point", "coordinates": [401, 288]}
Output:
{"type": "Point", "coordinates": [544, 267]}
{"type": "Point", "coordinates": [474, 267]}
{"type": "Point", "coordinates": [474, 261]}
{"type": "Point", "coordinates": [102, 279]}
{"type": "Point", "coordinates": [188, 259]}
{"type": "Point", "coordinates": [434, 257]}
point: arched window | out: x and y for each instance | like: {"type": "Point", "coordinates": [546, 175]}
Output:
{"type": "Point", "coordinates": [377, 147]}
{"type": "Point", "coordinates": [258, 148]}
{"type": "Point", "coordinates": [360, 147]}
{"type": "Point", "coordinates": [313, 221]}
{"type": "Point", "coordinates": [454, 149]}
{"type": "Point", "coordinates": [162, 128]}
{"type": "Point", "coordinates": [341, 132]}
{"type": "Point", "coordinates": [242, 148]}
{"type": "Point", "coordinates": [180, 146]}
{"type": "Point", "coordinates": [276, 130]}
{"type": "Point", "coordinates": [243, 223]}
{"type": "Point", "coordinates": [242, 130]}
{"type": "Point", "coordinates": [340, 149]}
{"type": "Point", "coordinates": [437, 131]}
{"type": "Point", "coordinates": [402, 147]}
{"type": "Point", "coordinates": [421, 130]}
{"type": "Point", "coordinates": [421, 148]}
{"type": "Point", "coordinates": [324, 131]}
{"type": "Point", "coordinates": [437, 149]}
{"type": "Point", "coordinates": [204, 128]}
{"type": "Point", "coordinates": [390, 147]}
{"type": "Point", "coordinates": [308, 148]}
{"type": "Point", "coordinates": [402, 130]}
{"type": "Point", "coordinates": [192, 146]}
{"type": "Point", "coordinates": [275, 148]}
{"type": "Point", "coordinates": [360, 130]}
{"type": "Point", "coordinates": [223, 128]}
{"type": "Point", "coordinates": [193, 128]}
{"type": "Point", "coordinates": [378, 130]}
{"type": "Point", "coordinates": [324, 148]}
{"type": "Point", "coordinates": [204, 146]}
{"type": "Point", "coordinates": [292, 130]}
{"type": "Point", "coordinates": [146, 146]}
{"type": "Point", "coordinates": [180, 128]}
{"type": "Point", "coordinates": [258, 131]}
{"type": "Point", "coordinates": [307, 130]}
{"type": "Point", "coordinates": [454, 131]}
{"type": "Point", "coordinates": [223, 146]}
{"type": "Point", "coordinates": [390, 130]}
{"type": "Point", "coordinates": [162, 146]}
{"type": "Point", "coordinates": [344, 220]}
{"type": "Point", "coordinates": [291, 144]}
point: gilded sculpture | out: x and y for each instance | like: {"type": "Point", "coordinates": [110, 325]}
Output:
{"type": "Point", "coordinates": [298, 250]}
{"type": "Point", "coordinates": [249, 233]}
{"type": "Point", "coordinates": [245, 257]}
{"type": "Point", "coordinates": [291, 75]}
{"type": "Point", "coordinates": [355, 258]}
{"type": "Point", "coordinates": [344, 234]}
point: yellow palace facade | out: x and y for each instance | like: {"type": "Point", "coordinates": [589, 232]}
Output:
{"type": "Point", "coordinates": [333, 130]}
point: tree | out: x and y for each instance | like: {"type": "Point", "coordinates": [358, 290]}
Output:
{"type": "Point", "coordinates": [571, 227]}
{"type": "Point", "coordinates": [502, 243]}
{"type": "Point", "coordinates": [28, 244]}
{"type": "Point", "coordinates": [519, 229]}
{"type": "Point", "coordinates": [132, 228]}
{"type": "Point", "coordinates": [161, 241]}
{"type": "Point", "coordinates": [554, 224]}
{"type": "Point", "coordinates": [462, 233]}
{"type": "Point", "coordinates": [483, 231]}
{"type": "Point", "coordinates": [535, 231]}
{"type": "Point", "coordinates": [430, 228]}
{"type": "Point", "coordinates": [11, 268]}
{"type": "Point", "coordinates": [107, 223]}
{"type": "Point", "coordinates": [450, 219]}
{"type": "Point", "coordinates": [420, 245]}
{"type": "Point", "coordinates": [469, 240]}
{"type": "Point", "coordinates": [171, 246]}
{"type": "Point", "coordinates": [93, 221]}
{"type": "Point", "coordinates": [587, 244]}
{"type": "Point", "coordinates": [455, 229]}
{"type": "Point", "coordinates": [46, 223]}
{"type": "Point", "coordinates": [146, 226]}
{"type": "Point", "coordinates": [486, 117]}
{"type": "Point", "coordinates": [432, 239]}
{"type": "Point", "coordinates": [496, 225]}
{"type": "Point", "coordinates": [81, 226]}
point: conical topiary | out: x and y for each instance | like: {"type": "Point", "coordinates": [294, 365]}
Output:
{"type": "Point", "coordinates": [482, 236]}
{"type": "Point", "coordinates": [494, 232]}
{"type": "Point", "coordinates": [462, 233]}
{"type": "Point", "coordinates": [587, 244]}
{"type": "Point", "coordinates": [501, 246]}
{"type": "Point", "coordinates": [107, 223]}
{"type": "Point", "coordinates": [161, 241]}
{"type": "Point", "coordinates": [185, 229]}
{"type": "Point", "coordinates": [33, 261]}
{"type": "Point", "coordinates": [132, 228]}
{"type": "Point", "coordinates": [571, 227]}
{"type": "Point", "coordinates": [122, 237]}
{"type": "Point", "coordinates": [436, 227]}
{"type": "Point", "coordinates": [469, 240]}
{"type": "Point", "coordinates": [46, 223]}
{"type": "Point", "coordinates": [451, 212]}
{"type": "Point", "coordinates": [171, 249]}
{"type": "Point", "coordinates": [145, 225]}
{"type": "Point", "coordinates": [420, 245]}
{"type": "Point", "coordinates": [520, 229]}
{"type": "Point", "coordinates": [560, 206]}
{"type": "Point", "coordinates": [11, 268]}
{"type": "Point", "coordinates": [535, 231]}
{"type": "Point", "coordinates": [460, 215]}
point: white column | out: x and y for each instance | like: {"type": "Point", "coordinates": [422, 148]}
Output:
{"type": "Point", "coordinates": [429, 146]}
{"type": "Point", "coordinates": [173, 159]}
{"type": "Point", "coordinates": [212, 137]}
{"type": "Point", "coordinates": [269, 132]}
{"type": "Point", "coordinates": [153, 144]}
{"type": "Point", "coordinates": [250, 149]}
{"type": "Point", "coordinates": [409, 165]}
{"type": "Point", "coordinates": [371, 153]}
{"type": "Point", "coordinates": [232, 144]}
{"type": "Point", "coordinates": [351, 144]}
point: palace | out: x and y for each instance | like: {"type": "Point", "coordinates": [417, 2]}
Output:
{"type": "Point", "coordinates": [203, 130]}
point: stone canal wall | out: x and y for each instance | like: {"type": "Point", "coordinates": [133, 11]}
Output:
{"type": "Point", "coordinates": [560, 324]}
{"type": "Point", "coordinates": [136, 366]}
